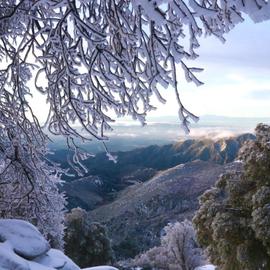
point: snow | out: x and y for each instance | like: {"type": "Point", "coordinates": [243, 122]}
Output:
{"type": "Point", "coordinates": [22, 247]}
{"type": "Point", "coordinates": [37, 266]}
{"type": "Point", "coordinates": [56, 259]}
{"type": "Point", "coordinates": [25, 239]}
{"type": "Point", "coordinates": [9, 260]}
{"type": "Point", "coordinates": [104, 267]}
{"type": "Point", "coordinates": [206, 267]}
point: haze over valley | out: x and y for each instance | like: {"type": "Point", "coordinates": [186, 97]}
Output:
{"type": "Point", "coordinates": [128, 135]}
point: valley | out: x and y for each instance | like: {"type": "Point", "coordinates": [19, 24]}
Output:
{"type": "Point", "coordinates": [149, 187]}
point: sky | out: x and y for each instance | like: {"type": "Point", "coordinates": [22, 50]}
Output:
{"type": "Point", "coordinates": [236, 75]}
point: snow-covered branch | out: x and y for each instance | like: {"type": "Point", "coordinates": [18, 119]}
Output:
{"type": "Point", "coordinates": [96, 57]}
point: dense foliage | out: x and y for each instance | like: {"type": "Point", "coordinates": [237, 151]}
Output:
{"type": "Point", "coordinates": [86, 242]}
{"type": "Point", "coordinates": [233, 221]}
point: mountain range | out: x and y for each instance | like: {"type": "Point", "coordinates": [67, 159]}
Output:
{"type": "Point", "coordinates": [105, 179]}
{"type": "Point", "coordinates": [148, 187]}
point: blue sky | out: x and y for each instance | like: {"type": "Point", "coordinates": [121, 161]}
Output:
{"type": "Point", "coordinates": [236, 75]}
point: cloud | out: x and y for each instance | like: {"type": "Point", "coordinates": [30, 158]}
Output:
{"type": "Point", "coordinates": [172, 132]}
{"type": "Point", "coordinates": [124, 135]}
{"type": "Point", "coordinates": [246, 46]}
{"type": "Point", "coordinates": [260, 94]}
{"type": "Point", "coordinates": [217, 132]}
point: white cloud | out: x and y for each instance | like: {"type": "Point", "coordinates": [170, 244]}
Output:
{"type": "Point", "coordinates": [236, 76]}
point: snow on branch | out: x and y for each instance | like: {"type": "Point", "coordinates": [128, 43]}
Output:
{"type": "Point", "coordinates": [101, 59]}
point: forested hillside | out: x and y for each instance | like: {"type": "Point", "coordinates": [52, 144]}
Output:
{"type": "Point", "coordinates": [105, 178]}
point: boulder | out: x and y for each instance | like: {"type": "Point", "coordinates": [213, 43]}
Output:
{"type": "Point", "coordinates": [24, 238]}
{"type": "Point", "coordinates": [9, 260]}
{"type": "Point", "coordinates": [104, 267]}
{"type": "Point", "coordinates": [56, 259]}
{"type": "Point", "coordinates": [22, 247]}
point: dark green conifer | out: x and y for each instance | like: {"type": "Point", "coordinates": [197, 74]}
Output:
{"type": "Point", "coordinates": [233, 222]}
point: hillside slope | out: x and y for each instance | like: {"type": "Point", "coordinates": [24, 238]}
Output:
{"type": "Point", "coordinates": [136, 217]}
{"type": "Point", "coordinates": [140, 165]}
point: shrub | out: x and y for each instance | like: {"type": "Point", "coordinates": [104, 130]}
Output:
{"type": "Point", "coordinates": [178, 250]}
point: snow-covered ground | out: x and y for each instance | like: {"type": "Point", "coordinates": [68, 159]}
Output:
{"type": "Point", "coordinates": [22, 247]}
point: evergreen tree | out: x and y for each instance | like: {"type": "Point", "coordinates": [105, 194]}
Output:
{"type": "Point", "coordinates": [86, 242]}
{"type": "Point", "coordinates": [233, 221]}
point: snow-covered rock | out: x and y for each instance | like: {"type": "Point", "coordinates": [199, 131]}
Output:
{"type": "Point", "coordinates": [37, 266]}
{"type": "Point", "coordinates": [206, 267]}
{"type": "Point", "coordinates": [56, 259]}
{"type": "Point", "coordinates": [9, 260]}
{"type": "Point", "coordinates": [104, 267]}
{"type": "Point", "coordinates": [22, 247]}
{"type": "Point", "coordinates": [23, 237]}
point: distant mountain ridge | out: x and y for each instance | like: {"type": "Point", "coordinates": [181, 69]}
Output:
{"type": "Point", "coordinates": [140, 165]}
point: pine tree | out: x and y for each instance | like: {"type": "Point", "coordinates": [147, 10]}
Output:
{"type": "Point", "coordinates": [86, 242]}
{"type": "Point", "coordinates": [233, 221]}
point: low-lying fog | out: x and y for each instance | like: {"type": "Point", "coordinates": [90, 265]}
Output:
{"type": "Point", "coordinates": [130, 135]}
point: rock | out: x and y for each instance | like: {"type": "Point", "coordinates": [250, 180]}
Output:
{"type": "Point", "coordinates": [22, 247]}
{"type": "Point", "coordinates": [24, 238]}
{"type": "Point", "coordinates": [57, 260]}
{"type": "Point", "coordinates": [9, 260]}
{"type": "Point", "coordinates": [104, 267]}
